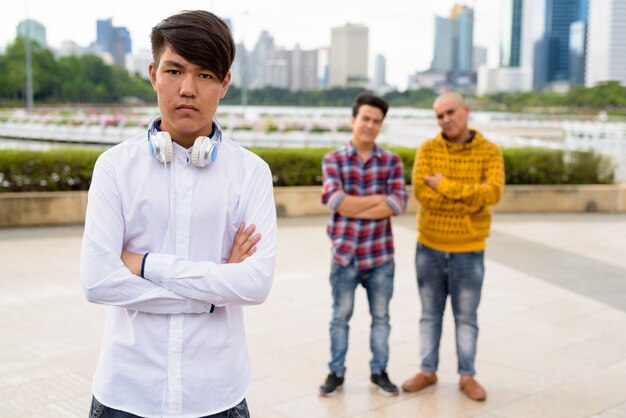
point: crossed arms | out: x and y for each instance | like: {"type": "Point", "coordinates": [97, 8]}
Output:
{"type": "Point", "coordinates": [373, 206]}
{"type": "Point", "coordinates": [173, 284]}
{"type": "Point", "coordinates": [436, 192]}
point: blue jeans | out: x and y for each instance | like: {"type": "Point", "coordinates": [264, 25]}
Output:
{"type": "Point", "coordinates": [100, 411]}
{"type": "Point", "coordinates": [378, 282]}
{"type": "Point", "coordinates": [459, 275]}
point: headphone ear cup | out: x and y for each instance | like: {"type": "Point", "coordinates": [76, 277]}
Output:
{"type": "Point", "coordinates": [204, 152]}
{"type": "Point", "coordinates": [161, 147]}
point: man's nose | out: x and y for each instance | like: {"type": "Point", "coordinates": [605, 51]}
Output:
{"type": "Point", "coordinates": [188, 85]}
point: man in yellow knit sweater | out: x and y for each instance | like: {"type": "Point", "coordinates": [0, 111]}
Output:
{"type": "Point", "coordinates": [457, 177]}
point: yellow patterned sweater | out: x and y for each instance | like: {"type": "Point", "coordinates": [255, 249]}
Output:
{"type": "Point", "coordinates": [456, 217]}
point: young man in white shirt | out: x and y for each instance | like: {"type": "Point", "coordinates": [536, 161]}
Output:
{"type": "Point", "coordinates": [165, 243]}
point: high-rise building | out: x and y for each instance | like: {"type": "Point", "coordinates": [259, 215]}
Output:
{"type": "Point", "coordinates": [380, 70]}
{"type": "Point", "coordinates": [533, 22]}
{"type": "Point", "coordinates": [114, 40]}
{"type": "Point", "coordinates": [511, 36]}
{"type": "Point", "coordinates": [263, 51]}
{"type": "Point", "coordinates": [454, 44]}
{"type": "Point", "coordinates": [577, 52]}
{"type": "Point", "coordinates": [32, 30]}
{"type": "Point", "coordinates": [349, 49]}
{"type": "Point", "coordinates": [443, 56]}
{"type": "Point", "coordinates": [138, 62]}
{"type": "Point", "coordinates": [464, 41]}
{"type": "Point", "coordinates": [553, 51]}
{"type": "Point", "coordinates": [479, 57]}
{"type": "Point", "coordinates": [303, 70]}
{"type": "Point", "coordinates": [606, 43]}
{"type": "Point", "coordinates": [277, 70]}
{"type": "Point", "coordinates": [323, 58]}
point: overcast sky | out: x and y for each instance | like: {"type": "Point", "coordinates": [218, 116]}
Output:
{"type": "Point", "coordinates": [401, 30]}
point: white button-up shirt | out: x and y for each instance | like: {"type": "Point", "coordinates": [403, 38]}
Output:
{"type": "Point", "coordinates": [164, 354]}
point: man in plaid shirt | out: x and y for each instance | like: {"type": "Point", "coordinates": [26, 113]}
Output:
{"type": "Point", "coordinates": [364, 186]}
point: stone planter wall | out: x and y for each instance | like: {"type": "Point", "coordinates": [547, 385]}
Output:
{"type": "Point", "coordinates": [62, 208]}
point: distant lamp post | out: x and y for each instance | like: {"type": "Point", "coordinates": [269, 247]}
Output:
{"type": "Point", "coordinates": [243, 69]}
{"type": "Point", "coordinates": [29, 72]}
{"type": "Point", "coordinates": [29, 62]}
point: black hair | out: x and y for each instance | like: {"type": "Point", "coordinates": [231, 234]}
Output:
{"type": "Point", "coordinates": [198, 36]}
{"type": "Point", "coordinates": [370, 100]}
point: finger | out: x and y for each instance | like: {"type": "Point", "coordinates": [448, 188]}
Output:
{"type": "Point", "coordinates": [245, 247]}
{"type": "Point", "coordinates": [249, 230]}
{"type": "Point", "coordinates": [254, 239]}
{"type": "Point", "coordinates": [248, 254]}
{"type": "Point", "coordinates": [245, 235]}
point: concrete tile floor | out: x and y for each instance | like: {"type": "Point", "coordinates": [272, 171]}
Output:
{"type": "Point", "coordinates": [547, 348]}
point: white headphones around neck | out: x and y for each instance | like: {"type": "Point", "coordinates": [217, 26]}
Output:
{"type": "Point", "coordinates": [203, 153]}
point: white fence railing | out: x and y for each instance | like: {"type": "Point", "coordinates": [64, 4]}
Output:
{"type": "Point", "coordinates": [605, 138]}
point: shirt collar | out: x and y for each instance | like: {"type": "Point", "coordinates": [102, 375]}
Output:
{"type": "Point", "coordinates": [376, 152]}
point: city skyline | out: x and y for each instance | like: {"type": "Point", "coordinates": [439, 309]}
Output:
{"type": "Point", "coordinates": [394, 30]}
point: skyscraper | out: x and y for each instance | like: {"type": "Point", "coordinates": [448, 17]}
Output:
{"type": "Point", "coordinates": [349, 48]}
{"type": "Point", "coordinates": [443, 56]}
{"type": "Point", "coordinates": [553, 51]}
{"type": "Point", "coordinates": [33, 30]}
{"type": "Point", "coordinates": [577, 52]}
{"type": "Point", "coordinates": [606, 53]}
{"type": "Point", "coordinates": [510, 48]}
{"type": "Point", "coordinates": [302, 69]}
{"type": "Point", "coordinates": [263, 51]}
{"type": "Point", "coordinates": [454, 44]}
{"type": "Point", "coordinates": [464, 40]}
{"type": "Point", "coordinates": [380, 70]}
{"type": "Point", "coordinates": [114, 40]}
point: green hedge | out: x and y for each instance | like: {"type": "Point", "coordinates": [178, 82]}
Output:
{"type": "Point", "coordinates": [54, 170]}
{"type": "Point", "coordinates": [70, 168]}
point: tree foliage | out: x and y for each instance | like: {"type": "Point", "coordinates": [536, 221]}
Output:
{"type": "Point", "coordinates": [69, 79]}
{"type": "Point", "coordinates": [609, 96]}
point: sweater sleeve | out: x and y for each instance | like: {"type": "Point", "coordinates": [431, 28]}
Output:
{"type": "Point", "coordinates": [487, 192]}
{"type": "Point", "coordinates": [431, 199]}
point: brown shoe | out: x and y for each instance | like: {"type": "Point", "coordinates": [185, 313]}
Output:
{"type": "Point", "coordinates": [419, 381]}
{"type": "Point", "coordinates": [472, 389]}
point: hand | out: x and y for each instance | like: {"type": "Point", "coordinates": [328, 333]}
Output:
{"type": "Point", "coordinates": [244, 244]}
{"type": "Point", "coordinates": [433, 181]}
{"type": "Point", "coordinates": [132, 261]}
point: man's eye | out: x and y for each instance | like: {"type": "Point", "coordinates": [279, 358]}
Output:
{"type": "Point", "coordinates": [173, 72]}
{"type": "Point", "coordinates": [206, 76]}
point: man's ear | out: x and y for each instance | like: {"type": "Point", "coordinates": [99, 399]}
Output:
{"type": "Point", "coordinates": [225, 85]}
{"type": "Point", "coordinates": [152, 68]}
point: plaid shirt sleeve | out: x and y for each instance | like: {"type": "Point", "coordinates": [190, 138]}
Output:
{"type": "Point", "coordinates": [396, 188]}
{"type": "Point", "coordinates": [332, 191]}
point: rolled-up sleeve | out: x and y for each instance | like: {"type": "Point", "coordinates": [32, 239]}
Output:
{"type": "Point", "coordinates": [332, 190]}
{"type": "Point", "coordinates": [397, 195]}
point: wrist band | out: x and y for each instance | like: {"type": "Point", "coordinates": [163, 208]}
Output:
{"type": "Point", "coordinates": [143, 264]}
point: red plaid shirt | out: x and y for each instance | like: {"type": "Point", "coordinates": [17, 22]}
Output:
{"type": "Point", "coordinates": [368, 242]}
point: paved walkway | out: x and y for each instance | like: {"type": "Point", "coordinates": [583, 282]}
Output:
{"type": "Point", "coordinates": [552, 343]}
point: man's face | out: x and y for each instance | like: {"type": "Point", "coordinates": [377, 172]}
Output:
{"type": "Point", "coordinates": [188, 96]}
{"type": "Point", "coordinates": [366, 125]}
{"type": "Point", "coordinates": [452, 118]}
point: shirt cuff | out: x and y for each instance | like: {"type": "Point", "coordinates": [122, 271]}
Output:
{"type": "Point", "coordinates": [143, 264]}
{"type": "Point", "coordinates": [394, 205]}
{"type": "Point", "coordinates": [335, 200]}
{"type": "Point", "coordinates": [157, 268]}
